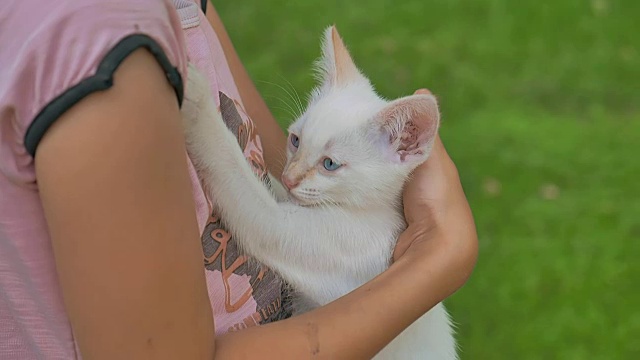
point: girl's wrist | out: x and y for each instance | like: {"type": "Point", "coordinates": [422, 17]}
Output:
{"type": "Point", "coordinates": [440, 259]}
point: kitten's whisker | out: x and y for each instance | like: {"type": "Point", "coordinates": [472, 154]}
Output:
{"type": "Point", "coordinates": [336, 206]}
{"type": "Point", "coordinates": [289, 111]}
{"type": "Point", "coordinates": [280, 162]}
{"type": "Point", "coordinates": [300, 106]}
{"type": "Point", "coordinates": [282, 159]}
{"type": "Point", "coordinates": [283, 153]}
{"type": "Point", "coordinates": [322, 204]}
{"type": "Point", "coordinates": [286, 91]}
{"type": "Point", "coordinates": [297, 96]}
{"type": "Point", "coordinates": [292, 110]}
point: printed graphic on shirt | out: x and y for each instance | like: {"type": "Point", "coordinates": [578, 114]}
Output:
{"type": "Point", "coordinates": [250, 290]}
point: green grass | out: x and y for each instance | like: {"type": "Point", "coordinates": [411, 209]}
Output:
{"type": "Point", "coordinates": [541, 113]}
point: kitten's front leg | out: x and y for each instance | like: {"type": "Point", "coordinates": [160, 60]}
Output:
{"type": "Point", "coordinates": [215, 152]}
{"type": "Point", "coordinates": [276, 234]}
{"type": "Point", "coordinates": [257, 221]}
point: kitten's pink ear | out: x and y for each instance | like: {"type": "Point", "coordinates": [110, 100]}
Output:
{"type": "Point", "coordinates": [409, 126]}
{"type": "Point", "coordinates": [336, 66]}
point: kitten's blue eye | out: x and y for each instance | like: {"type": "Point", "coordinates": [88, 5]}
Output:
{"type": "Point", "coordinates": [330, 165]}
{"type": "Point", "coordinates": [295, 140]}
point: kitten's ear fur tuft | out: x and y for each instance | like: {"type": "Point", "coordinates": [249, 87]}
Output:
{"type": "Point", "coordinates": [335, 67]}
{"type": "Point", "coordinates": [409, 126]}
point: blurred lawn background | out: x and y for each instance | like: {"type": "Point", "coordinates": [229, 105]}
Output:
{"type": "Point", "coordinates": [541, 113]}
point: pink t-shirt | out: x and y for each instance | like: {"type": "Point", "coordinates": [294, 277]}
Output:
{"type": "Point", "coordinates": [54, 53]}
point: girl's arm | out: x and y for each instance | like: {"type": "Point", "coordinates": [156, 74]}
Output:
{"type": "Point", "coordinates": [113, 178]}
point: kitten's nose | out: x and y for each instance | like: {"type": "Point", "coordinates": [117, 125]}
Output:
{"type": "Point", "coordinates": [288, 183]}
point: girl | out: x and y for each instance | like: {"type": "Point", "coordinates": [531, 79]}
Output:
{"type": "Point", "coordinates": [101, 211]}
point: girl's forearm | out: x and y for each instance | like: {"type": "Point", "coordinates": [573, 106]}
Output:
{"type": "Point", "coordinates": [356, 326]}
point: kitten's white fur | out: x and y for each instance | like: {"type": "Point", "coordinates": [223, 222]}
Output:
{"type": "Point", "coordinates": [339, 227]}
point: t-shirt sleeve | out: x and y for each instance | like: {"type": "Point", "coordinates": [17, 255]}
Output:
{"type": "Point", "coordinates": [55, 53]}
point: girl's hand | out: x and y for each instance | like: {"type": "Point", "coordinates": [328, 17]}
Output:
{"type": "Point", "coordinates": [440, 223]}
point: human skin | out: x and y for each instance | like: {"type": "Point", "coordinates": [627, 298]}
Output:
{"type": "Point", "coordinates": [123, 229]}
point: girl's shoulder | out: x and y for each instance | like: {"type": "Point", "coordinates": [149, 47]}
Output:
{"type": "Point", "coordinates": [54, 53]}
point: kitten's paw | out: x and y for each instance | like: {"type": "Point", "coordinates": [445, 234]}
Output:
{"type": "Point", "coordinates": [196, 95]}
{"type": "Point", "coordinates": [200, 112]}
{"type": "Point", "coordinates": [204, 129]}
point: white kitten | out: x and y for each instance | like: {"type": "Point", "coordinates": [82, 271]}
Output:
{"type": "Point", "coordinates": [348, 157]}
